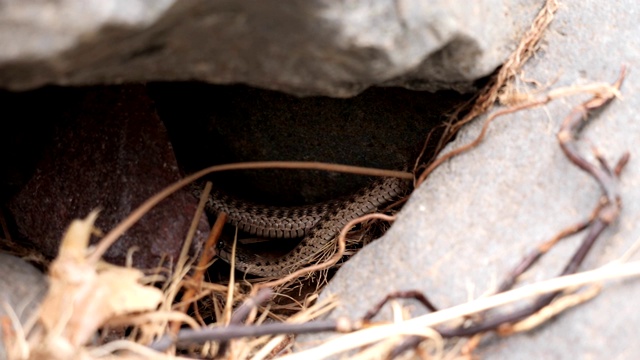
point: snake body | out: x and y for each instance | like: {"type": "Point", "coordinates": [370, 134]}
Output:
{"type": "Point", "coordinates": [318, 224]}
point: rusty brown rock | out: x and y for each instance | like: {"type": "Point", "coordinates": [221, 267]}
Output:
{"type": "Point", "coordinates": [111, 152]}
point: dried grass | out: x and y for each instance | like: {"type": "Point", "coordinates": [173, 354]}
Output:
{"type": "Point", "coordinates": [87, 295]}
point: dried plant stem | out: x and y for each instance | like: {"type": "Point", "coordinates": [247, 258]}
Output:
{"type": "Point", "coordinates": [126, 224]}
{"type": "Point", "coordinates": [370, 335]}
{"type": "Point", "coordinates": [207, 255]}
{"type": "Point", "coordinates": [333, 260]}
{"type": "Point", "coordinates": [488, 96]}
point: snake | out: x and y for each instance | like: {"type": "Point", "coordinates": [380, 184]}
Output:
{"type": "Point", "coordinates": [318, 225]}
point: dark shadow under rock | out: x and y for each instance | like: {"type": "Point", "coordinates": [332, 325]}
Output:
{"type": "Point", "coordinates": [382, 127]}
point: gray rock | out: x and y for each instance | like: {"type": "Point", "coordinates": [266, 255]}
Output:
{"type": "Point", "coordinates": [22, 287]}
{"type": "Point", "coordinates": [305, 47]}
{"type": "Point", "coordinates": [480, 213]}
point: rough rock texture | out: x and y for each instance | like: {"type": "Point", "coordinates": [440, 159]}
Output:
{"type": "Point", "coordinates": [110, 152]}
{"type": "Point", "coordinates": [305, 47]}
{"type": "Point", "coordinates": [478, 214]}
{"type": "Point", "coordinates": [22, 287]}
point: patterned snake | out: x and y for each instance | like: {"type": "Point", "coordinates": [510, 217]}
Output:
{"type": "Point", "coordinates": [319, 224]}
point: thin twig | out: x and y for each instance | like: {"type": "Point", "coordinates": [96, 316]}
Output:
{"type": "Point", "coordinates": [370, 335]}
{"type": "Point", "coordinates": [537, 253]}
{"type": "Point", "coordinates": [412, 294]}
{"type": "Point", "coordinates": [478, 139]}
{"type": "Point", "coordinates": [126, 224]}
{"type": "Point", "coordinates": [208, 252]}
{"type": "Point", "coordinates": [487, 98]}
{"type": "Point", "coordinates": [605, 213]}
{"type": "Point", "coordinates": [241, 313]}
{"type": "Point", "coordinates": [558, 306]}
{"type": "Point", "coordinates": [187, 337]}
{"type": "Point", "coordinates": [334, 259]}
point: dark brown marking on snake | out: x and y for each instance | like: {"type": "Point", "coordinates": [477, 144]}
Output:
{"type": "Point", "coordinates": [319, 224]}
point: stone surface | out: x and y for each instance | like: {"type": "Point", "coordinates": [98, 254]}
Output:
{"type": "Point", "coordinates": [479, 213]}
{"type": "Point", "coordinates": [22, 287]}
{"type": "Point", "coordinates": [110, 152]}
{"type": "Point", "coordinates": [336, 48]}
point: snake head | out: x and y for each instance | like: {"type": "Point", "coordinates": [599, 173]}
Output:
{"type": "Point", "coordinates": [223, 249]}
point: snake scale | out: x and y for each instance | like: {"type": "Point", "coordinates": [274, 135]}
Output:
{"type": "Point", "coordinates": [318, 225]}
